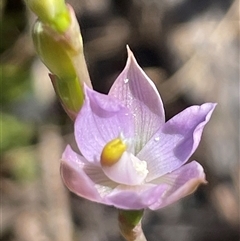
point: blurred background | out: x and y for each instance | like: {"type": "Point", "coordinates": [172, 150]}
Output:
{"type": "Point", "coordinates": [189, 48]}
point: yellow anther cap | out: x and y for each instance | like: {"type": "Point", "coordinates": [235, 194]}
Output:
{"type": "Point", "coordinates": [112, 152]}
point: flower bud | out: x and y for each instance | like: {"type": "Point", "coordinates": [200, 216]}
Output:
{"type": "Point", "coordinates": [63, 54]}
{"type": "Point", "coordinates": [51, 12]}
{"type": "Point", "coordinates": [55, 54]}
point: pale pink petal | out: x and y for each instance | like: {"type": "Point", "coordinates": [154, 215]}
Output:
{"type": "Point", "coordinates": [173, 144]}
{"type": "Point", "coordinates": [101, 119]}
{"type": "Point", "coordinates": [135, 198]}
{"type": "Point", "coordinates": [181, 183]}
{"type": "Point", "coordinates": [129, 170]}
{"type": "Point", "coordinates": [139, 94]}
{"type": "Point", "coordinates": [83, 178]}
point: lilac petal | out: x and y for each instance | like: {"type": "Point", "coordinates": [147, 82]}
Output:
{"type": "Point", "coordinates": [83, 178]}
{"type": "Point", "coordinates": [135, 198]}
{"type": "Point", "coordinates": [101, 119]}
{"type": "Point", "coordinates": [139, 94]}
{"type": "Point", "coordinates": [129, 170]}
{"type": "Point", "coordinates": [181, 183]}
{"type": "Point", "coordinates": [173, 144]}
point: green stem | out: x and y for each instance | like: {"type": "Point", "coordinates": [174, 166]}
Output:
{"type": "Point", "coordinates": [130, 225]}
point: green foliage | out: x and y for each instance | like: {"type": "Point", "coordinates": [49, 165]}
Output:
{"type": "Point", "coordinates": [13, 22]}
{"type": "Point", "coordinates": [15, 83]}
{"type": "Point", "coordinates": [14, 133]}
{"type": "Point", "coordinates": [21, 163]}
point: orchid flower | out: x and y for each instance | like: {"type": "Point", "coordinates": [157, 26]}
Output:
{"type": "Point", "coordinates": [130, 157]}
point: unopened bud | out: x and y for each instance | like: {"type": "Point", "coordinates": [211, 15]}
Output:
{"type": "Point", "coordinates": [63, 54]}
{"type": "Point", "coordinates": [55, 54]}
{"type": "Point", "coordinates": [51, 12]}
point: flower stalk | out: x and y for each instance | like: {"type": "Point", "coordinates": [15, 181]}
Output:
{"type": "Point", "coordinates": [130, 224]}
